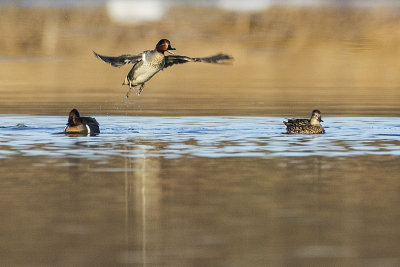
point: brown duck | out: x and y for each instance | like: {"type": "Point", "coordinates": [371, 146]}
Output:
{"type": "Point", "coordinates": [305, 126]}
{"type": "Point", "coordinates": [81, 125]}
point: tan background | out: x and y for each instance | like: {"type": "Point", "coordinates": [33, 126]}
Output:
{"type": "Point", "coordinates": [288, 61]}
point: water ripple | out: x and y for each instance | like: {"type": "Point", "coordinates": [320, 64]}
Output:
{"type": "Point", "coordinates": [211, 137]}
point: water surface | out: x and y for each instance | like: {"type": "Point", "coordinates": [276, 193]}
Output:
{"type": "Point", "coordinates": [209, 137]}
{"type": "Point", "coordinates": [214, 191]}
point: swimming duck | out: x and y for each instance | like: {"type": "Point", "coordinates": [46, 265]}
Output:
{"type": "Point", "coordinates": [305, 126]}
{"type": "Point", "coordinates": [148, 63]}
{"type": "Point", "coordinates": [81, 125]}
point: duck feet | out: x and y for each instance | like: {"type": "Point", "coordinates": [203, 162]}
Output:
{"type": "Point", "coordinates": [140, 89]}
{"type": "Point", "coordinates": [129, 90]}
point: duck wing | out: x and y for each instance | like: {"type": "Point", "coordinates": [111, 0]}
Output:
{"type": "Point", "coordinates": [92, 123]}
{"type": "Point", "coordinates": [298, 122]}
{"type": "Point", "coordinates": [120, 60]}
{"type": "Point", "coordinates": [216, 59]}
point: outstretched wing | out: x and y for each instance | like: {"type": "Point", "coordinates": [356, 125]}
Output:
{"type": "Point", "coordinates": [121, 60]}
{"type": "Point", "coordinates": [217, 59]}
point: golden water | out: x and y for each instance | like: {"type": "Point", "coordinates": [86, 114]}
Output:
{"type": "Point", "coordinates": [225, 189]}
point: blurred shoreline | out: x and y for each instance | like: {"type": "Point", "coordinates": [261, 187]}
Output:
{"type": "Point", "coordinates": [59, 31]}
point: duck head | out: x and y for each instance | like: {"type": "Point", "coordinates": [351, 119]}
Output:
{"type": "Point", "coordinates": [315, 117]}
{"type": "Point", "coordinates": [74, 118]}
{"type": "Point", "coordinates": [164, 45]}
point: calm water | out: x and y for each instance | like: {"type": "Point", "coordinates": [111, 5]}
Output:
{"type": "Point", "coordinates": [208, 191]}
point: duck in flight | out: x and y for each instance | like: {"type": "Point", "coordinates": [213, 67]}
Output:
{"type": "Point", "coordinates": [148, 63]}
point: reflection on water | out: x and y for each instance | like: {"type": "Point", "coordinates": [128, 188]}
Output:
{"type": "Point", "coordinates": [209, 191]}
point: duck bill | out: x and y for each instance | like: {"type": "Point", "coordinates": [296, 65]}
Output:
{"type": "Point", "coordinates": [170, 48]}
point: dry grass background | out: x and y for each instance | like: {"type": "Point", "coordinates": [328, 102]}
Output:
{"type": "Point", "coordinates": [57, 31]}
{"type": "Point", "coordinates": [287, 61]}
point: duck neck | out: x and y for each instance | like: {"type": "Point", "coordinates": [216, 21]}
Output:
{"type": "Point", "coordinates": [74, 121]}
{"type": "Point", "coordinates": [160, 50]}
{"type": "Point", "coordinates": [314, 121]}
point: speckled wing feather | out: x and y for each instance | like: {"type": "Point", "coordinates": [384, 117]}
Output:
{"type": "Point", "coordinates": [291, 122]}
{"type": "Point", "coordinates": [120, 60]}
{"type": "Point", "coordinates": [302, 126]}
{"type": "Point", "coordinates": [216, 59]}
{"type": "Point", "coordinates": [297, 128]}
